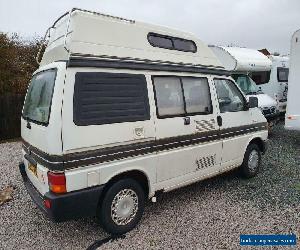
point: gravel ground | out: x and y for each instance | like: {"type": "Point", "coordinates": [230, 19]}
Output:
{"type": "Point", "coordinates": [206, 215]}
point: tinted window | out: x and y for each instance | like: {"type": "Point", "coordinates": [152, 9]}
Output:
{"type": "Point", "coordinates": [229, 97]}
{"type": "Point", "coordinates": [197, 95]}
{"type": "Point", "coordinates": [104, 98]}
{"type": "Point", "coordinates": [174, 43]}
{"type": "Point", "coordinates": [38, 99]}
{"type": "Point", "coordinates": [282, 74]}
{"type": "Point", "coordinates": [184, 45]}
{"type": "Point", "coordinates": [178, 96]}
{"type": "Point", "coordinates": [162, 42]}
{"type": "Point", "coordinates": [169, 96]}
{"type": "Point", "coordinates": [260, 77]}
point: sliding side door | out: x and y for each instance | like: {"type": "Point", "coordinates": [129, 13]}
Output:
{"type": "Point", "coordinates": [186, 129]}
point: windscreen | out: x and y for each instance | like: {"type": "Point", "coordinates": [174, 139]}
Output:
{"type": "Point", "coordinates": [38, 99]}
{"type": "Point", "coordinates": [246, 84]}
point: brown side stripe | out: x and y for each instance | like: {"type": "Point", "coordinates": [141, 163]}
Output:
{"type": "Point", "coordinates": [74, 160]}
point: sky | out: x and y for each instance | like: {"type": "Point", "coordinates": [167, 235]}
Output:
{"type": "Point", "coordinates": [247, 23]}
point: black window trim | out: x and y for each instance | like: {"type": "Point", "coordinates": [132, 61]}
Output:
{"type": "Point", "coordinates": [278, 68]}
{"type": "Point", "coordinates": [45, 124]}
{"type": "Point", "coordinates": [172, 38]}
{"type": "Point", "coordinates": [186, 114]}
{"type": "Point", "coordinates": [238, 88]}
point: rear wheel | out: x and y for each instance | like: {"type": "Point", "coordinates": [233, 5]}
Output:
{"type": "Point", "coordinates": [122, 206]}
{"type": "Point", "coordinates": [251, 162]}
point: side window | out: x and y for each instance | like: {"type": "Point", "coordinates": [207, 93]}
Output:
{"type": "Point", "coordinates": [178, 96]}
{"type": "Point", "coordinates": [184, 45]}
{"type": "Point", "coordinates": [169, 97]}
{"type": "Point", "coordinates": [229, 97]}
{"type": "Point", "coordinates": [105, 98]}
{"type": "Point", "coordinates": [197, 95]}
{"type": "Point", "coordinates": [170, 42]}
{"type": "Point", "coordinates": [161, 42]}
{"type": "Point", "coordinates": [282, 74]}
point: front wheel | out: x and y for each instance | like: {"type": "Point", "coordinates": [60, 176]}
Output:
{"type": "Point", "coordinates": [122, 206]}
{"type": "Point", "coordinates": [251, 162]}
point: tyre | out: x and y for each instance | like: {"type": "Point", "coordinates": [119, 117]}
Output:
{"type": "Point", "coordinates": [122, 207]}
{"type": "Point", "coordinates": [251, 162]}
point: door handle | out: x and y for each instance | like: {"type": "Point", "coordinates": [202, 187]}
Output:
{"type": "Point", "coordinates": [187, 120]}
{"type": "Point", "coordinates": [219, 120]}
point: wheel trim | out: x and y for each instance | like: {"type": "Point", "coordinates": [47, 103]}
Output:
{"type": "Point", "coordinates": [253, 160]}
{"type": "Point", "coordinates": [124, 207]}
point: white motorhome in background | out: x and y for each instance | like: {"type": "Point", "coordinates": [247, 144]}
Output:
{"type": "Point", "coordinates": [292, 118]}
{"type": "Point", "coordinates": [245, 64]}
{"type": "Point", "coordinates": [277, 86]}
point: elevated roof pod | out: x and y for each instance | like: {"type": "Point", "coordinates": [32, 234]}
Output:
{"type": "Point", "coordinates": [85, 34]}
{"type": "Point", "coordinates": [242, 59]}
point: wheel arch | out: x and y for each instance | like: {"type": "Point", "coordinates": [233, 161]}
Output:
{"type": "Point", "coordinates": [137, 174]}
{"type": "Point", "coordinates": [259, 142]}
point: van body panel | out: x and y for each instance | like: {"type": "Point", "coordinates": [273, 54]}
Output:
{"type": "Point", "coordinates": [101, 136]}
{"type": "Point", "coordinates": [181, 162]}
{"type": "Point", "coordinates": [190, 178]}
{"type": "Point", "coordinates": [277, 88]}
{"type": "Point", "coordinates": [79, 178]}
{"type": "Point", "coordinates": [193, 158]}
{"type": "Point", "coordinates": [239, 123]}
{"type": "Point", "coordinates": [114, 39]}
{"type": "Point", "coordinates": [242, 59]}
{"type": "Point", "coordinates": [39, 180]}
{"type": "Point", "coordinates": [47, 138]}
{"type": "Point", "coordinates": [292, 118]}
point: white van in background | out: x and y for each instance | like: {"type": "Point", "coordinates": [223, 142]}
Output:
{"type": "Point", "coordinates": [109, 121]}
{"type": "Point", "coordinates": [246, 64]}
{"type": "Point", "coordinates": [292, 118]}
{"type": "Point", "coordinates": [277, 86]}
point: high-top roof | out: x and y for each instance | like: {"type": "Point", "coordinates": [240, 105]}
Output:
{"type": "Point", "coordinates": [242, 59]}
{"type": "Point", "coordinates": [90, 34]}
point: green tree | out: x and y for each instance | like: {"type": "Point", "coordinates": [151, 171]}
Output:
{"type": "Point", "coordinates": [17, 63]}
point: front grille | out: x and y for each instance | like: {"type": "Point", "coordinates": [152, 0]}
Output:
{"type": "Point", "coordinates": [283, 100]}
{"type": "Point", "coordinates": [269, 111]}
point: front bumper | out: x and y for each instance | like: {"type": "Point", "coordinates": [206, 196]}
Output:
{"type": "Point", "coordinates": [67, 206]}
{"type": "Point", "coordinates": [273, 117]}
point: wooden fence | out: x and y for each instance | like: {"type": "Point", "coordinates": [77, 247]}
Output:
{"type": "Point", "coordinates": [10, 116]}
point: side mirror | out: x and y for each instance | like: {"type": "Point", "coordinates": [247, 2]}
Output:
{"type": "Point", "coordinates": [253, 102]}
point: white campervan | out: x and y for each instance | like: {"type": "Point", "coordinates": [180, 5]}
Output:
{"type": "Point", "coordinates": [277, 85]}
{"type": "Point", "coordinates": [292, 118]}
{"type": "Point", "coordinates": [120, 111]}
{"type": "Point", "coordinates": [248, 67]}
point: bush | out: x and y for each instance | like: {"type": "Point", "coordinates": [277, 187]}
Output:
{"type": "Point", "coordinates": [17, 63]}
